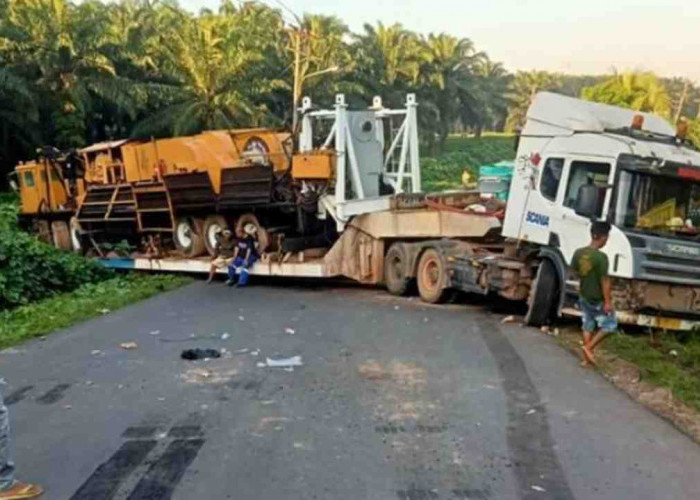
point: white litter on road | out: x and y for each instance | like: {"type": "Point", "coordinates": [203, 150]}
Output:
{"type": "Point", "coordinates": [530, 412]}
{"type": "Point", "coordinates": [290, 331]}
{"type": "Point", "coordinates": [241, 318]}
{"type": "Point", "coordinates": [282, 362]}
{"type": "Point", "coordinates": [538, 488]}
{"type": "Point", "coordinates": [225, 335]}
{"type": "Point", "coordinates": [155, 332]}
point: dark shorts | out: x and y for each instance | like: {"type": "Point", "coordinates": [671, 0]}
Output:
{"type": "Point", "coordinates": [594, 317]}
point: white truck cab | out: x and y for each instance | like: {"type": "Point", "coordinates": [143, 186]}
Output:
{"type": "Point", "coordinates": [578, 161]}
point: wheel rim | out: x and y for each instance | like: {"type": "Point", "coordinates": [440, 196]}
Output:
{"type": "Point", "coordinates": [184, 233]}
{"type": "Point", "coordinates": [212, 231]}
{"type": "Point", "coordinates": [431, 274]}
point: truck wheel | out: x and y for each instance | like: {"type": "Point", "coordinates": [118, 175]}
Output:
{"type": "Point", "coordinates": [261, 235]}
{"type": "Point", "coordinates": [396, 270]}
{"type": "Point", "coordinates": [543, 292]}
{"type": "Point", "coordinates": [60, 235]}
{"type": "Point", "coordinates": [75, 235]}
{"type": "Point", "coordinates": [188, 236]}
{"type": "Point", "coordinates": [431, 276]}
{"type": "Point", "coordinates": [42, 231]}
{"type": "Point", "coordinates": [213, 225]}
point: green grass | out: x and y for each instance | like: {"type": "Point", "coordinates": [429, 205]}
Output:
{"type": "Point", "coordinates": [444, 170]}
{"type": "Point", "coordinates": [652, 354]}
{"type": "Point", "coordinates": [87, 301]}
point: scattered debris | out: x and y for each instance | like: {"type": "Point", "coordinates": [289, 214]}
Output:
{"type": "Point", "coordinates": [509, 319]}
{"type": "Point", "coordinates": [538, 488]}
{"type": "Point", "coordinates": [96, 352]}
{"type": "Point", "coordinates": [155, 332]}
{"type": "Point", "coordinates": [282, 362]}
{"type": "Point", "coordinates": [530, 412]}
{"type": "Point", "coordinates": [129, 345]}
{"type": "Point", "coordinates": [241, 351]}
{"type": "Point", "coordinates": [556, 332]}
{"type": "Point", "coordinates": [241, 318]}
{"type": "Point", "coordinates": [103, 311]}
{"type": "Point", "coordinates": [544, 329]}
{"type": "Point", "coordinates": [290, 331]}
{"type": "Point", "coordinates": [194, 354]}
{"type": "Point", "coordinates": [396, 308]}
{"type": "Point", "coordinates": [225, 336]}
{"type": "Point", "coordinates": [260, 364]}
{"type": "Point", "coordinates": [289, 369]}
{"type": "Point", "coordinates": [255, 352]}
{"type": "Point", "coordinates": [67, 407]}
{"type": "Point", "coordinates": [673, 352]}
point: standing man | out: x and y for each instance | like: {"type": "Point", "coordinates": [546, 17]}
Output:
{"type": "Point", "coordinates": [245, 255]}
{"type": "Point", "coordinates": [591, 266]}
{"type": "Point", "coordinates": [10, 489]}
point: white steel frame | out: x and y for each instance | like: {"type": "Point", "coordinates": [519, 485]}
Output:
{"type": "Point", "coordinates": [407, 168]}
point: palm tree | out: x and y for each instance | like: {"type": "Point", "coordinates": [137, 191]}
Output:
{"type": "Point", "coordinates": [387, 57]}
{"type": "Point", "coordinates": [523, 90]}
{"type": "Point", "coordinates": [487, 105]}
{"type": "Point", "coordinates": [64, 47]}
{"type": "Point", "coordinates": [634, 90]}
{"type": "Point", "coordinates": [216, 81]}
{"type": "Point", "coordinates": [449, 72]}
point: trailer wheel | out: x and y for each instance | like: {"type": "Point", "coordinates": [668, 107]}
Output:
{"type": "Point", "coordinates": [76, 235]}
{"type": "Point", "coordinates": [396, 270]}
{"type": "Point", "coordinates": [188, 236]}
{"type": "Point", "coordinates": [431, 276]}
{"type": "Point", "coordinates": [261, 235]}
{"type": "Point", "coordinates": [60, 235]}
{"type": "Point", "coordinates": [213, 225]}
{"type": "Point", "coordinates": [542, 294]}
{"type": "Point", "coordinates": [42, 230]}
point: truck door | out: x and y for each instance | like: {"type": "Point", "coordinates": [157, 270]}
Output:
{"type": "Point", "coordinates": [572, 230]}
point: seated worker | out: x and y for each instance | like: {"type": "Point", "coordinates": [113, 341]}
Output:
{"type": "Point", "coordinates": [224, 250]}
{"type": "Point", "coordinates": [245, 255]}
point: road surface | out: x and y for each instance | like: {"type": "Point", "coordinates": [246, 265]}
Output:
{"type": "Point", "coordinates": [395, 400]}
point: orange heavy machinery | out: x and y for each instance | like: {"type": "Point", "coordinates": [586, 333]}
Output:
{"type": "Point", "coordinates": [181, 190]}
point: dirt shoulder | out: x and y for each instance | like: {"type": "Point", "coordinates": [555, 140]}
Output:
{"type": "Point", "coordinates": [657, 370]}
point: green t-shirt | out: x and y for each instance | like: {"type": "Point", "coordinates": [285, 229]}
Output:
{"type": "Point", "coordinates": [591, 266]}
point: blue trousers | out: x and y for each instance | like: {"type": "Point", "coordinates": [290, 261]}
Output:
{"type": "Point", "coordinates": [237, 271]}
{"type": "Point", "coordinates": [7, 466]}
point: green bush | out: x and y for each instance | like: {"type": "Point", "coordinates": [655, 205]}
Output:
{"type": "Point", "coordinates": [444, 171]}
{"type": "Point", "coordinates": [32, 270]}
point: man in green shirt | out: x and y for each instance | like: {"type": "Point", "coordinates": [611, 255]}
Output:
{"type": "Point", "coordinates": [591, 266]}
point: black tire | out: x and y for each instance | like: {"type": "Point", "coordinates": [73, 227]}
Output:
{"type": "Point", "coordinates": [188, 236]}
{"type": "Point", "coordinates": [543, 294]}
{"type": "Point", "coordinates": [61, 235]}
{"type": "Point", "coordinates": [431, 276]}
{"type": "Point", "coordinates": [396, 270]}
{"type": "Point", "coordinates": [213, 224]}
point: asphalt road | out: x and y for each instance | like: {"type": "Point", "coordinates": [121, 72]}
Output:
{"type": "Point", "coordinates": [395, 400]}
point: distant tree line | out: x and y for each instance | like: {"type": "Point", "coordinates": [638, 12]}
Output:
{"type": "Point", "coordinates": [77, 73]}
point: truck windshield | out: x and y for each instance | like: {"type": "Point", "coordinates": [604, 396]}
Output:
{"type": "Point", "coordinates": [657, 204]}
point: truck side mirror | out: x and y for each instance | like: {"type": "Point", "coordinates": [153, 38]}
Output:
{"type": "Point", "coordinates": [587, 201]}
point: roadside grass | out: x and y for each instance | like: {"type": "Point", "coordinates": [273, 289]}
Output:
{"type": "Point", "coordinates": [444, 170]}
{"type": "Point", "coordinates": [665, 359]}
{"type": "Point", "coordinates": [89, 300]}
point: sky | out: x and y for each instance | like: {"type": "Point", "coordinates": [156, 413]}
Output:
{"type": "Point", "coordinates": [577, 37]}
